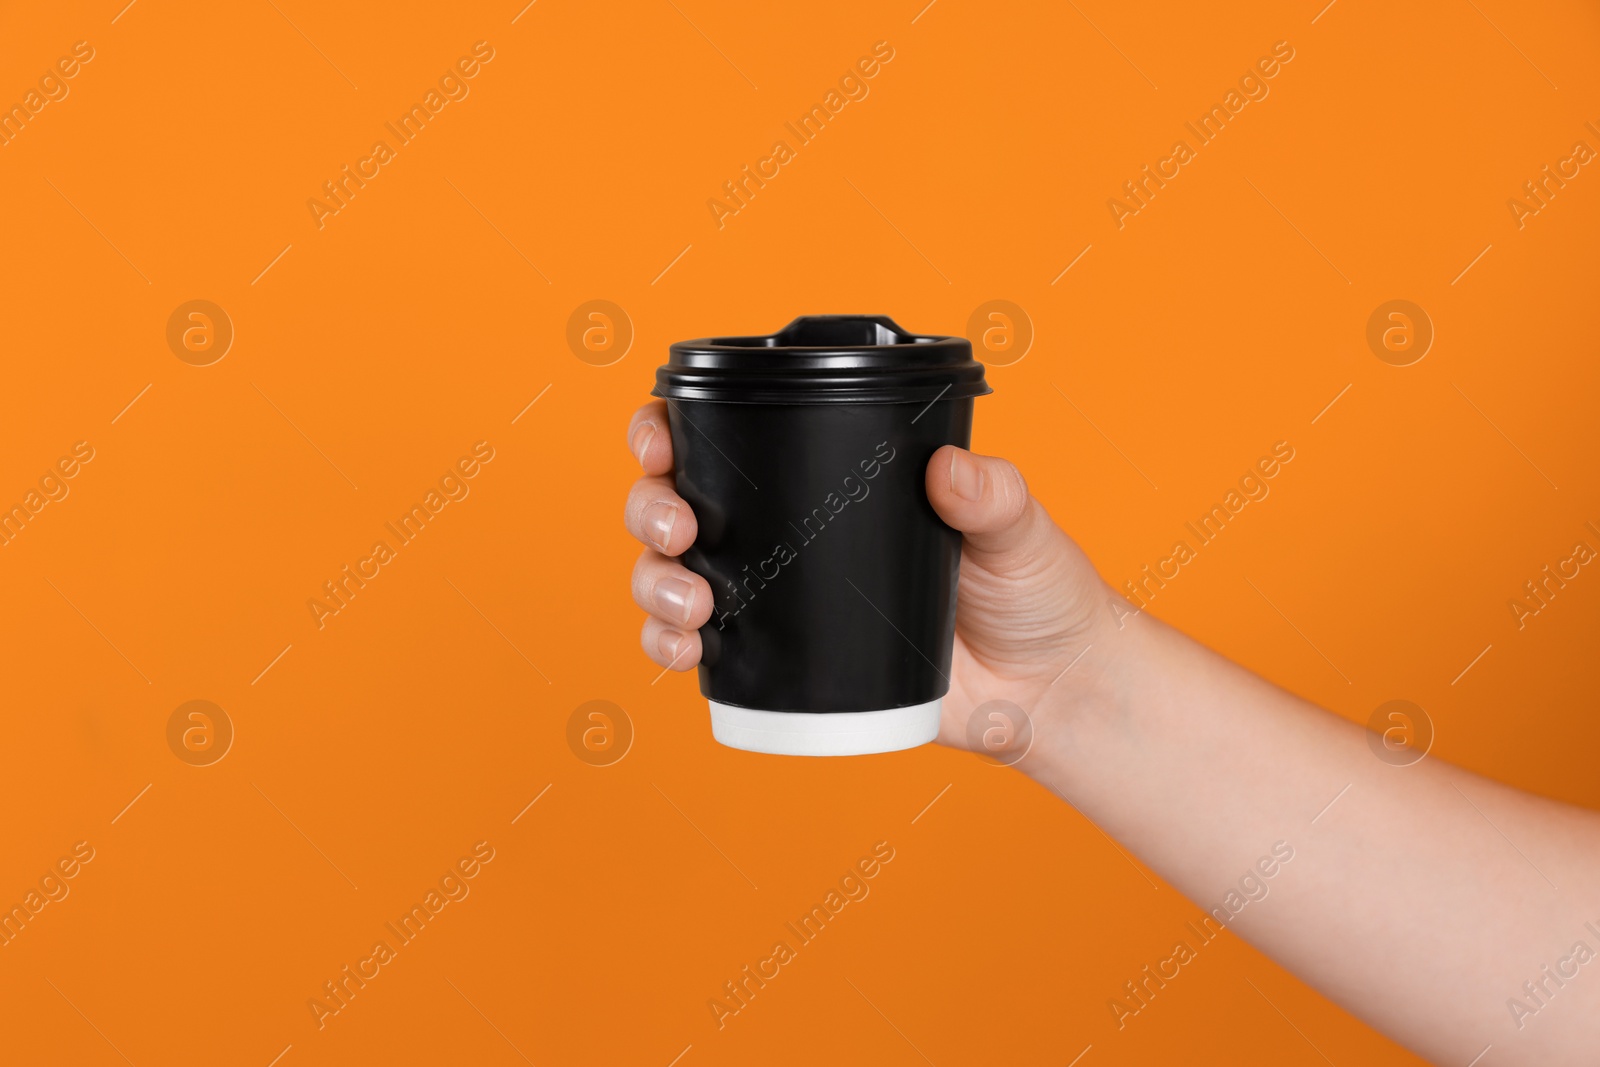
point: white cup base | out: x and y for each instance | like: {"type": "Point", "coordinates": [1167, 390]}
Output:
{"type": "Point", "coordinates": [837, 733]}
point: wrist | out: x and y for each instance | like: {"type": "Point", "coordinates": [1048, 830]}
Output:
{"type": "Point", "coordinates": [1093, 693]}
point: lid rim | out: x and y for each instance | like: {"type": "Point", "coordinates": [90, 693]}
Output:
{"type": "Point", "coordinates": [797, 397]}
{"type": "Point", "coordinates": [917, 343]}
{"type": "Point", "coordinates": [898, 367]}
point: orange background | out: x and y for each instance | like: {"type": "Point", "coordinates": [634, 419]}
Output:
{"type": "Point", "coordinates": [378, 750]}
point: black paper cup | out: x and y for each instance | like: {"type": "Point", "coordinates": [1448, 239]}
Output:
{"type": "Point", "coordinates": [803, 454]}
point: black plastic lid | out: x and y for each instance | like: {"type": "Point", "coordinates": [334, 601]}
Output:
{"type": "Point", "coordinates": [823, 359]}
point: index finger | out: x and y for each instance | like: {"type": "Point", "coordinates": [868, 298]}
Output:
{"type": "Point", "coordinates": [649, 438]}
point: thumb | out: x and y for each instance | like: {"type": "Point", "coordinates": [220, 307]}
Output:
{"type": "Point", "coordinates": [986, 499]}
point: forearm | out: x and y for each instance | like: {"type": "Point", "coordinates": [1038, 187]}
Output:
{"type": "Point", "coordinates": [1420, 897]}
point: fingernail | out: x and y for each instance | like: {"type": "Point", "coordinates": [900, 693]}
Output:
{"type": "Point", "coordinates": [659, 519]}
{"type": "Point", "coordinates": [966, 477]}
{"type": "Point", "coordinates": [675, 597]}
{"type": "Point", "coordinates": [641, 440]}
{"type": "Point", "coordinates": [669, 642]}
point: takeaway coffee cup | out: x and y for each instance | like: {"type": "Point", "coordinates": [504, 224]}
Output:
{"type": "Point", "coordinates": [803, 454]}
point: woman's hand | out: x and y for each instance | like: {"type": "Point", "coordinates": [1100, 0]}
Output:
{"type": "Point", "coordinates": [677, 602]}
{"type": "Point", "coordinates": [1029, 602]}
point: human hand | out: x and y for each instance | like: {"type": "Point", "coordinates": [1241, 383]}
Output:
{"type": "Point", "coordinates": [677, 602]}
{"type": "Point", "coordinates": [1029, 602]}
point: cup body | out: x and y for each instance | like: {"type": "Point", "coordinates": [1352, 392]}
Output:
{"type": "Point", "coordinates": [834, 580]}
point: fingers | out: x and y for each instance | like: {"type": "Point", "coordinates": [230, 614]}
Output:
{"type": "Point", "coordinates": [668, 647]}
{"type": "Point", "coordinates": [649, 439]}
{"type": "Point", "coordinates": [679, 601]}
{"type": "Point", "coordinates": [658, 516]}
{"type": "Point", "coordinates": [987, 500]}
{"type": "Point", "coordinates": [671, 592]}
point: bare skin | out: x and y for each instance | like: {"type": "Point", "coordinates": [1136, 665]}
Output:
{"type": "Point", "coordinates": [1424, 899]}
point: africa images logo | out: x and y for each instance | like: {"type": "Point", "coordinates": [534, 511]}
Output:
{"type": "Point", "coordinates": [739, 991]}
{"type": "Point", "coordinates": [341, 590]}
{"type": "Point", "coordinates": [407, 128]}
{"type": "Point", "coordinates": [1207, 128]}
{"type": "Point", "coordinates": [807, 128]}
{"type": "Point", "coordinates": [811, 526]}
{"type": "Point", "coordinates": [339, 991]}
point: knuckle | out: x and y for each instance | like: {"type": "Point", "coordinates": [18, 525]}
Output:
{"type": "Point", "coordinates": [641, 495]}
{"type": "Point", "coordinates": [633, 505]}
